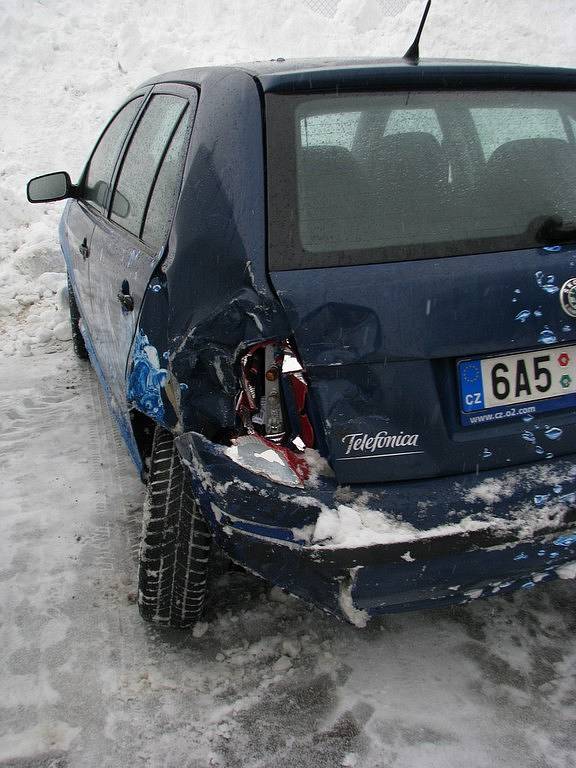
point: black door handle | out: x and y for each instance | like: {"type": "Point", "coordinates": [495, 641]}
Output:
{"type": "Point", "coordinates": [127, 301]}
{"type": "Point", "coordinates": [83, 248]}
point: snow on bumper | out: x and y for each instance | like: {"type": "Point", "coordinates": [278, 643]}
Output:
{"type": "Point", "coordinates": [381, 548]}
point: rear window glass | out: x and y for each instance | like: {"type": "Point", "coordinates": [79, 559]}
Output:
{"type": "Point", "coordinates": [498, 126]}
{"type": "Point", "coordinates": [406, 120]}
{"type": "Point", "coordinates": [335, 129]}
{"type": "Point", "coordinates": [363, 178]}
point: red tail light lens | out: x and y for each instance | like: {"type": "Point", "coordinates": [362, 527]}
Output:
{"type": "Point", "coordinates": [272, 401]}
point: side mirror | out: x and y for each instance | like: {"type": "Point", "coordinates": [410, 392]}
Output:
{"type": "Point", "coordinates": [50, 187]}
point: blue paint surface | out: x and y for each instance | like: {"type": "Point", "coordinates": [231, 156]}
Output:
{"type": "Point", "coordinates": [146, 379]}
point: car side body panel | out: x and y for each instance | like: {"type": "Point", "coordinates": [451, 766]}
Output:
{"type": "Point", "coordinates": [210, 297]}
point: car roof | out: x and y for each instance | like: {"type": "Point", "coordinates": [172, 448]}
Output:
{"type": "Point", "coordinates": [296, 75]}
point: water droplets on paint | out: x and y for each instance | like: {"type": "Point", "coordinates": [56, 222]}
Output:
{"type": "Point", "coordinates": [539, 450]}
{"type": "Point", "coordinates": [165, 355]}
{"type": "Point", "coordinates": [566, 328]}
{"type": "Point", "coordinates": [156, 287]}
{"type": "Point", "coordinates": [553, 433]}
{"type": "Point", "coordinates": [530, 437]}
{"type": "Point", "coordinates": [183, 387]}
{"type": "Point", "coordinates": [527, 419]}
{"type": "Point", "coordinates": [547, 336]}
{"type": "Point", "coordinates": [537, 313]}
{"type": "Point", "coordinates": [553, 248]}
{"type": "Point", "coordinates": [523, 315]}
{"type": "Point", "coordinates": [486, 453]}
{"type": "Point", "coordinates": [546, 282]}
{"type": "Point", "coordinates": [541, 499]}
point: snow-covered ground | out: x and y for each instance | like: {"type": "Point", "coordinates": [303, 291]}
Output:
{"type": "Point", "coordinates": [266, 682]}
{"type": "Point", "coordinates": [83, 682]}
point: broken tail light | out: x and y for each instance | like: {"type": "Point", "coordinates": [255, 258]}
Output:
{"type": "Point", "coordinates": [272, 404]}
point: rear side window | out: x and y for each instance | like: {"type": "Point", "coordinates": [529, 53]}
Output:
{"type": "Point", "coordinates": [142, 160]}
{"type": "Point", "coordinates": [335, 128]}
{"type": "Point", "coordinates": [166, 189]}
{"type": "Point", "coordinates": [404, 120]}
{"type": "Point", "coordinates": [366, 178]}
{"type": "Point", "coordinates": [498, 125]}
{"type": "Point", "coordinates": [100, 168]}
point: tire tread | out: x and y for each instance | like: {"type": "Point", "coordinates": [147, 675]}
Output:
{"type": "Point", "coordinates": [175, 550]}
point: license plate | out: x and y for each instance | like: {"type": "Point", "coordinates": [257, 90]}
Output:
{"type": "Point", "coordinates": [512, 386]}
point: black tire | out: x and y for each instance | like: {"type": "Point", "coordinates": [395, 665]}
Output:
{"type": "Point", "coordinates": [77, 338]}
{"type": "Point", "coordinates": [175, 550]}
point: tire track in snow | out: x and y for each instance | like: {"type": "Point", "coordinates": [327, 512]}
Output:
{"type": "Point", "coordinates": [271, 684]}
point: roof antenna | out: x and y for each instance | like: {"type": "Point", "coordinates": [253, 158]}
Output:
{"type": "Point", "coordinates": [412, 55]}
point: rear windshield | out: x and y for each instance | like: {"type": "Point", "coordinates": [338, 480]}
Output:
{"type": "Point", "coordinates": [364, 178]}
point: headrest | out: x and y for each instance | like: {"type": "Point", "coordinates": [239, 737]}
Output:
{"type": "Point", "coordinates": [410, 157]}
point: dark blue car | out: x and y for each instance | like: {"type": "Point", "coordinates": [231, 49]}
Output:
{"type": "Point", "coordinates": [333, 308]}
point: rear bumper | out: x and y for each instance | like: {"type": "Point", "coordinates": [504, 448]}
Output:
{"type": "Point", "coordinates": [383, 548]}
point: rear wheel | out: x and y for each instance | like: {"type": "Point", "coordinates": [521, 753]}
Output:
{"type": "Point", "coordinates": [77, 338]}
{"type": "Point", "coordinates": [175, 551]}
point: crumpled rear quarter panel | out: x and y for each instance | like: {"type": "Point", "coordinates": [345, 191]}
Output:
{"type": "Point", "coordinates": [210, 295]}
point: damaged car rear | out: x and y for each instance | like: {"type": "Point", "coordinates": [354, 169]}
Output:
{"type": "Point", "coordinates": [339, 334]}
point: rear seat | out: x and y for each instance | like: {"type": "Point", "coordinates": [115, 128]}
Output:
{"type": "Point", "coordinates": [530, 179]}
{"type": "Point", "coordinates": [332, 193]}
{"type": "Point", "coordinates": [410, 177]}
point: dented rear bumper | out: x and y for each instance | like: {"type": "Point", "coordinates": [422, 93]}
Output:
{"type": "Point", "coordinates": [381, 548]}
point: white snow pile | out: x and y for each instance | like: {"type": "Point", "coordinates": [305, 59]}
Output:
{"type": "Point", "coordinates": [362, 527]}
{"type": "Point", "coordinates": [58, 91]}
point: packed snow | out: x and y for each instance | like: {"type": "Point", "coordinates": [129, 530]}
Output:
{"type": "Point", "coordinates": [264, 681]}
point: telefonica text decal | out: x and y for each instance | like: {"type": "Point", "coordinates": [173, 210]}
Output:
{"type": "Point", "coordinates": [362, 443]}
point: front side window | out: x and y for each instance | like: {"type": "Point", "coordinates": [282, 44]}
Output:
{"type": "Point", "coordinates": [366, 178]}
{"type": "Point", "coordinates": [98, 175]}
{"type": "Point", "coordinates": [142, 160]}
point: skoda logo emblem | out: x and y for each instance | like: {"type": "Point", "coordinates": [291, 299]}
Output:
{"type": "Point", "coordinates": [568, 297]}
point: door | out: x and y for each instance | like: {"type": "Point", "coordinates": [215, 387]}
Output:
{"type": "Point", "coordinates": [127, 245]}
{"type": "Point", "coordinates": [91, 207]}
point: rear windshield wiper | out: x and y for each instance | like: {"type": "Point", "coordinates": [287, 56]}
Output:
{"type": "Point", "coordinates": [551, 230]}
